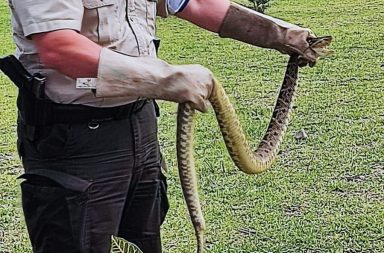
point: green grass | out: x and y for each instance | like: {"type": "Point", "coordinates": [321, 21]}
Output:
{"type": "Point", "coordinates": [324, 194]}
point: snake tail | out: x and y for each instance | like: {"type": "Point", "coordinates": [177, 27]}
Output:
{"type": "Point", "coordinates": [187, 172]}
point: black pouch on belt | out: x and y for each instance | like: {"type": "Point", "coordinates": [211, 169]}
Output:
{"type": "Point", "coordinates": [34, 107]}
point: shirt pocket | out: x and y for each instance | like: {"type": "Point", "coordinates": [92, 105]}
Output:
{"type": "Point", "coordinates": [101, 21]}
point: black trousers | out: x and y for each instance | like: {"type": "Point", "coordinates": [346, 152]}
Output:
{"type": "Point", "coordinates": [86, 182]}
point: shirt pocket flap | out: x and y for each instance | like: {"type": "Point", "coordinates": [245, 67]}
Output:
{"type": "Point", "coordinates": [92, 4]}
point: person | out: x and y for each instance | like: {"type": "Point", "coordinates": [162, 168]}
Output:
{"type": "Point", "coordinates": [89, 149]}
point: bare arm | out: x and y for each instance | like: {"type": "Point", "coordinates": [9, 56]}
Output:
{"type": "Point", "coordinates": [76, 56]}
{"type": "Point", "coordinates": [208, 14]}
{"type": "Point", "coordinates": [68, 52]}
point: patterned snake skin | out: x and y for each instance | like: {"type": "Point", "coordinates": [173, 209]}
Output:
{"type": "Point", "coordinates": [248, 161]}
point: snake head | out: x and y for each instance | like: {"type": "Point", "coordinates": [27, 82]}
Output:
{"type": "Point", "coordinates": [318, 45]}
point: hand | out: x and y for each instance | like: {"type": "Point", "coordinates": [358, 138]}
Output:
{"type": "Point", "coordinates": [195, 86]}
{"type": "Point", "coordinates": [121, 75]}
{"type": "Point", "coordinates": [296, 41]}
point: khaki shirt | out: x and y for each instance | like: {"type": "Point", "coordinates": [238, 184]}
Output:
{"type": "Point", "coordinates": [127, 26]}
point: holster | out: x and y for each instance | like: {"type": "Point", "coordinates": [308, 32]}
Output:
{"type": "Point", "coordinates": [32, 103]}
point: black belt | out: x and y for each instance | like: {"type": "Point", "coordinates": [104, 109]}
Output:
{"type": "Point", "coordinates": [83, 114]}
{"type": "Point", "coordinates": [75, 114]}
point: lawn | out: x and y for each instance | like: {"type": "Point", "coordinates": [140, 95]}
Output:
{"type": "Point", "coordinates": [323, 194]}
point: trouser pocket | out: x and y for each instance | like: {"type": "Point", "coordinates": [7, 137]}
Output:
{"type": "Point", "coordinates": [66, 214]}
{"type": "Point", "coordinates": [54, 204]}
{"type": "Point", "coordinates": [48, 217]}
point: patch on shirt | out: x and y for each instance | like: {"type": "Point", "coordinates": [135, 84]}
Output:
{"type": "Point", "coordinates": [175, 6]}
{"type": "Point", "coordinates": [86, 83]}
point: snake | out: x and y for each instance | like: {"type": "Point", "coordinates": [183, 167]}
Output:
{"type": "Point", "coordinates": [247, 160]}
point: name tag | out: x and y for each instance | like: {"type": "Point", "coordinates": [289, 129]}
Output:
{"type": "Point", "coordinates": [86, 83]}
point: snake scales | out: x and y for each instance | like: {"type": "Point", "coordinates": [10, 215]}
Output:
{"type": "Point", "coordinates": [246, 160]}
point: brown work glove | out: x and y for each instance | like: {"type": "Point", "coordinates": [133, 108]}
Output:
{"type": "Point", "coordinates": [261, 30]}
{"type": "Point", "coordinates": [121, 75]}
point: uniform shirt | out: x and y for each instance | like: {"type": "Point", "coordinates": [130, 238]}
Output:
{"type": "Point", "coordinates": [127, 26]}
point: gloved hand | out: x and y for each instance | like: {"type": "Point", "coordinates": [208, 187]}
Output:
{"type": "Point", "coordinates": [121, 75]}
{"type": "Point", "coordinates": [296, 41]}
{"type": "Point", "coordinates": [198, 85]}
{"type": "Point", "coordinates": [261, 30]}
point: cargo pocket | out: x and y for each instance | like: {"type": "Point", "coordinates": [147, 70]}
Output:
{"type": "Point", "coordinates": [48, 219]}
{"type": "Point", "coordinates": [103, 14]}
{"type": "Point", "coordinates": [54, 203]}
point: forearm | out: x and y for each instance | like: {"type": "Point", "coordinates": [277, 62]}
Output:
{"type": "Point", "coordinates": [208, 14]}
{"type": "Point", "coordinates": [68, 52]}
{"type": "Point", "coordinates": [234, 21]}
{"type": "Point", "coordinates": [119, 75]}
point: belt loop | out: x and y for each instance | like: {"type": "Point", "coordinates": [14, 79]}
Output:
{"type": "Point", "coordinates": [140, 104]}
{"type": "Point", "coordinates": [157, 108]}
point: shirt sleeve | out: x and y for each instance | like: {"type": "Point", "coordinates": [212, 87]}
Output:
{"type": "Point", "coordinates": [170, 7]}
{"type": "Point", "coordinates": [176, 6]}
{"type": "Point", "coordinates": [38, 16]}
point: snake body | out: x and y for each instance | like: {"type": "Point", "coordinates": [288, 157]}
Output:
{"type": "Point", "coordinates": [248, 161]}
